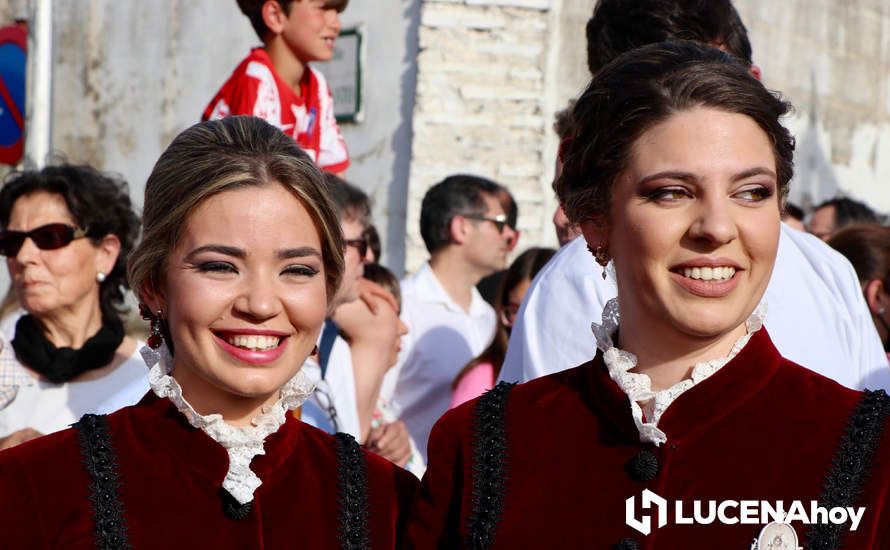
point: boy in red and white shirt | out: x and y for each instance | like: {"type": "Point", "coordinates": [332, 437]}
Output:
{"type": "Point", "coordinates": [277, 84]}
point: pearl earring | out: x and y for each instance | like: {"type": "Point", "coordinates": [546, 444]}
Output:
{"type": "Point", "coordinates": [100, 277]}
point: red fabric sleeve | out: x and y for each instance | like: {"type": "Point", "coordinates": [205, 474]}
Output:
{"type": "Point", "coordinates": [439, 509]}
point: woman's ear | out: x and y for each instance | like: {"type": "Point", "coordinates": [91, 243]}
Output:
{"type": "Point", "coordinates": [595, 232]}
{"type": "Point", "coordinates": [107, 252]}
{"type": "Point", "coordinates": [876, 296]}
{"type": "Point", "coordinates": [151, 297]}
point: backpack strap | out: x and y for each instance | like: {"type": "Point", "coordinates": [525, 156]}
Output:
{"type": "Point", "coordinates": [329, 332]}
{"type": "Point", "coordinates": [489, 466]}
{"type": "Point", "coordinates": [352, 488]}
{"type": "Point", "coordinates": [851, 465]}
{"type": "Point", "coordinates": [100, 462]}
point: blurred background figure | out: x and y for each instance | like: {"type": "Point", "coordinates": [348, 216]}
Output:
{"type": "Point", "coordinates": [385, 413]}
{"type": "Point", "coordinates": [868, 249]}
{"type": "Point", "coordinates": [837, 213]}
{"type": "Point", "coordinates": [479, 375]}
{"type": "Point", "coordinates": [276, 83]}
{"type": "Point", "coordinates": [562, 125]}
{"type": "Point", "coordinates": [468, 235]}
{"type": "Point", "coordinates": [67, 231]}
{"type": "Point", "coordinates": [793, 216]}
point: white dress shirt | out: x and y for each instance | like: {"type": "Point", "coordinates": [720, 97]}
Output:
{"type": "Point", "coordinates": [816, 316]}
{"type": "Point", "coordinates": [442, 338]}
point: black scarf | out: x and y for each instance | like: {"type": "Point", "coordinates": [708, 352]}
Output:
{"type": "Point", "coordinates": [60, 365]}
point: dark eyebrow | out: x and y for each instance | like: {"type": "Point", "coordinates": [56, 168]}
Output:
{"type": "Point", "coordinates": [218, 248]}
{"type": "Point", "coordinates": [759, 171]}
{"type": "Point", "coordinates": [235, 252]}
{"type": "Point", "coordinates": [301, 252]}
{"type": "Point", "coordinates": [692, 178]}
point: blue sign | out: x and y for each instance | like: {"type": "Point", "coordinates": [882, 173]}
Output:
{"type": "Point", "coordinates": [13, 58]}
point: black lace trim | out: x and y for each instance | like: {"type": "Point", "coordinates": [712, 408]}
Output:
{"type": "Point", "coordinates": [352, 483]}
{"type": "Point", "coordinates": [851, 465]}
{"type": "Point", "coordinates": [489, 466]}
{"type": "Point", "coordinates": [101, 463]}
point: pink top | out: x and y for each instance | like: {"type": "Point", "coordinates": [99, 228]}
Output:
{"type": "Point", "coordinates": [473, 384]}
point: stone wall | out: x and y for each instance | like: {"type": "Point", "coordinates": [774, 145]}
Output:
{"type": "Point", "coordinates": [832, 60]}
{"type": "Point", "coordinates": [487, 72]}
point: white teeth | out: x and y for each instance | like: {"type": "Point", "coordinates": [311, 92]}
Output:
{"type": "Point", "coordinates": [709, 273]}
{"type": "Point", "coordinates": [254, 342]}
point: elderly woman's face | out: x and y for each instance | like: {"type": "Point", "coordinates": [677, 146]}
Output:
{"type": "Point", "coordinates": [47, 281]}
{"type": "Point", "coordinates": [694, 224]}
{"type": "Point", "coordinates": [244, 294]}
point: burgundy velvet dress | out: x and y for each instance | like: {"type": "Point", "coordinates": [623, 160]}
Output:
{"type": "Point", "coordinates": [559, 470]}
{"type": "Point", "coordinates": [168, 479]}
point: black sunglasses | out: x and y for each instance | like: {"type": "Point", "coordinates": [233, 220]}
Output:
{"type": "Point", "coordinates": [499, 221]}
{"type": "Point", "coordinates": [45, 237]}
{"type": "Point", "coordinates": [360, 244]}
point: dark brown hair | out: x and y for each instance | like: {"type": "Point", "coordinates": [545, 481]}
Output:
{"type": "Point", "coordinates": [868, 249]}
{"type": "Point", "coordinates": [215, 156]}
{"type": "Point", "coordinates": [643, 88]}
{"type": "Point", "coordinates": [253, 9]}
{"type": "Point", "coordinates": [618, 26]}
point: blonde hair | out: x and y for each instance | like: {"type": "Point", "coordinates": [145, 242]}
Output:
{"type": "Point", "coordinates": [221, 155]}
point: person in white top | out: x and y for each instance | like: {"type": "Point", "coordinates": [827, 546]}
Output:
{"type": "Point", "coordinates": [66, 233]}
{"type": "Point", "coordinates": [465, 230]}
{"type": "Point", "coordinates": [816, 313]}
{"type": "Point", "coordinates": [347, 369]}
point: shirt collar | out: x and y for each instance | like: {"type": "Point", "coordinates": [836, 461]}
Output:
{"type": "Point", "coordinates": [429, 289]}
{"type": "Point", "coordinates": [637, 386]}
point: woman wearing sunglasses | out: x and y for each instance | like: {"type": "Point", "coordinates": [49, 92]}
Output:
{"type": "Point", "coordinates": [241, 256]}
{"type": "Point", "coordinates": [688, 429]}
{"type": "Point", "coordinates": [66, 234]}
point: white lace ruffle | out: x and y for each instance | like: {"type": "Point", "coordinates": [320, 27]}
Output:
{"type": "Point", "coordinates": [638, 387]}
{"type": "Point", "coordinates": [241, 444]}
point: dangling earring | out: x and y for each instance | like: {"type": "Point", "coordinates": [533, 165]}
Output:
{"type": "Point", "coordinates": [601, 255]}
{"type": "Point", "coordinates": [156, 337]}
{"type": "Point", "coordinates": [100, 277]}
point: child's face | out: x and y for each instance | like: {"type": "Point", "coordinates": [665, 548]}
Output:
{"type": "Point", "coordinates": [311, 29]}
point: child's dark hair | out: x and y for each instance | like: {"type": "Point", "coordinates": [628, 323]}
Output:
{"type": "Point", "coordinates": [385, 278]}
{"type": "Point", "coordinates": [253, 9]}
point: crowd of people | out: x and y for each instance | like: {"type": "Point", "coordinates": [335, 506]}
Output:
{"type": "Point", "coordinates": [290, 388]}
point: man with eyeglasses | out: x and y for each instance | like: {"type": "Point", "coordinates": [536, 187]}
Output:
{"type": "Point", "coordinates": [335, 404]}
{"type": "Point", "coordinates": [466, 231]}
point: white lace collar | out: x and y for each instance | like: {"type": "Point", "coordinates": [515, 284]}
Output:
{"type": "Point", "coordinates": [638, 387]}
{"type": "Point", "coordinates": [241, 444]}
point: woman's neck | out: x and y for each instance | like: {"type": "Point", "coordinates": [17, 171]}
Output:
{"type": "Point", "coordinates": [71, 327]}
{"type": "Point", "coordinates": [668, 356]}
{"type": "Point", "coordinates": [236, 410]}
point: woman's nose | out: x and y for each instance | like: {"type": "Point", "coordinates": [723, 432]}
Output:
{"type": "Point", "coordinates": [259, 299]}
{"type": "Point", "coordinates": [714, 222]}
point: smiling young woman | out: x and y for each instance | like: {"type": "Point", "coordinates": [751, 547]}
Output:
{"type": "Point", "coordinates": [240, 258]}
{"type": "Point", "coordinates": [676, 173]}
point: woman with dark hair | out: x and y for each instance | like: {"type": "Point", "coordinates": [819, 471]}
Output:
{"type": "Point", "coordinates": [241, 256]}
{"type": "Point", "coordinates": [868, 249]}
{"type": "Point", "coordinates": [676, 175]}
{"type": "Point", "coordinates": [480, 374]}
{"type": "Point", "coordinates": [67, 231]}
